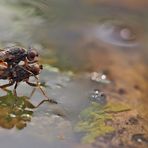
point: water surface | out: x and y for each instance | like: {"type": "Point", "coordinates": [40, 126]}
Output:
{"type": "Point", "coordinates": [81, 37]}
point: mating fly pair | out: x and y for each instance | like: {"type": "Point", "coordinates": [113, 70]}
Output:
{"type": "Point", "coordinates": [18, 64]}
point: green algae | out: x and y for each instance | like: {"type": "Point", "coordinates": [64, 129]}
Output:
{"type": "Point", "coordinates": [116, 107]}
{"type": "Point", "coordinates": [15, 111]}
{"type": "Point", "coordinates": [93, 120]}
{"type": "Point", "coordinates": [57, 70]}
{"type": "Point", "coordinates": [50, 68]}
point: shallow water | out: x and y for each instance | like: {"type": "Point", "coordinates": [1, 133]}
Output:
{"type": "Point", "coordinates": [79, 37]}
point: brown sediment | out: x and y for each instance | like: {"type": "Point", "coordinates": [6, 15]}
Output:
{"type": "Point", "coordinates": [128, 73]}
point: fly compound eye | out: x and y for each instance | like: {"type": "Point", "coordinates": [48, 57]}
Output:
{"type": "Point", "coordinates": [32, 54]}
{"type": "Point", "coordinates": [35, 69]}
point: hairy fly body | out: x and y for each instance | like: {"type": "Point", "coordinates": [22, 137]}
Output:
{"type": "Point", "coordinates": [14, 55]}
{"type": "Point", "coordinates": [14, 72]}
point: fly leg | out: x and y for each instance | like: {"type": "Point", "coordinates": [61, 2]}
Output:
{"type": "Point", "coordinates": [6, 85]}
{"type": "Point", "coordinates": [14, 90]}
{"type": "Point", "coordinates": [38, 85]}
{"type": "Point", "coordinates": [34, 89]}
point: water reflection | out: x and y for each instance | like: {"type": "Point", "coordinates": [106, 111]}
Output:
{"type": "Point", "coordinates": [14, 111]}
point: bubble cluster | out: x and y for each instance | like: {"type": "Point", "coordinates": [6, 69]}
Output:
{"type": "Point", "coordinates": [98, 96]}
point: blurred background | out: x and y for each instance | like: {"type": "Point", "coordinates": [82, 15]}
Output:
{"type": "Point", "coordinates": [67, 30]}
{"type": "Point", "coordinates": [107, 37]}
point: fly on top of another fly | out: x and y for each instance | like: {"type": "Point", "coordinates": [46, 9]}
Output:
{"type": "Point", "coordinates": [19, 64]}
